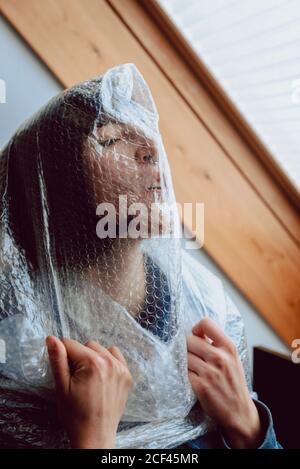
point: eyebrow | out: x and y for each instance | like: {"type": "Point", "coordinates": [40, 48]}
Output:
{"type": "Point", "coordinates": [108, 128]}
{"type": "Point", "coordinates": [122, 131]}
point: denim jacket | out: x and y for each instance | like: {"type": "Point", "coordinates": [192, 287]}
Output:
{"type": "Point", "coordinates": [215, 440]}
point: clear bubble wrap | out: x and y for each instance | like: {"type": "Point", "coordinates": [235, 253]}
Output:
{"type": "Point", "coordinates": [98, 144]}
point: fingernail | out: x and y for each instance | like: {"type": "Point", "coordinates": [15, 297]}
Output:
{"type": "Point", "coordinates": [51, 343]}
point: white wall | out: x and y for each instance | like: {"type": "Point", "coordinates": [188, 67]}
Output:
{"type": "Point", "coordinates": [29, 85]}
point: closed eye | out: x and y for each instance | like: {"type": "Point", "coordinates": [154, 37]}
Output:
{"type": "Point", "coordinates": [148, 159]}
{"type": "Point", "coordinates": [109, 142]}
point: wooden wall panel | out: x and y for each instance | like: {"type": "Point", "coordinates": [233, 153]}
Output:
{"type": "Point", "coordinates": [193, 87]}
{"type": "Point", "coordinates": [79, 39]}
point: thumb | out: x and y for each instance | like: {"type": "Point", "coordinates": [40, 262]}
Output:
{"type": "Point", "coordinates": [199, 329]}
{"type": "Point", "coordinates": [59, 364]}
{"type": "Point", "coordinates": [211, 331]}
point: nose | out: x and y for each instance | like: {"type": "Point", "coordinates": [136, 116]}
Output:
{"type": "Point", "coordinates": [156, 175]}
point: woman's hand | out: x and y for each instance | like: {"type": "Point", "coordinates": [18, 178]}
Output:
{"type": "Point", "coordinates": [217, 378]}
{"type": "Point", "coordinates": [92, 385]}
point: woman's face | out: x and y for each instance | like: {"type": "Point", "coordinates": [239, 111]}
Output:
{"type": "Point", "coordinates": [122, 161]}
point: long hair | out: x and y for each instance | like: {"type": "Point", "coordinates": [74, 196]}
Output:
{"type": "Point", "coordinates": [45, 185]}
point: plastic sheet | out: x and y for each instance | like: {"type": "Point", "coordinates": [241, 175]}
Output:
{"type": "Point", "coordinates": [96, 146]}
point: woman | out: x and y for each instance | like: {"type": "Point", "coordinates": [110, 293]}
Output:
{"type": "Point", "coordinates": [89, 251]}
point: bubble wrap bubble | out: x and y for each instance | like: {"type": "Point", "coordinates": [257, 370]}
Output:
{"type": "Point", "coordinates": [95, 145]}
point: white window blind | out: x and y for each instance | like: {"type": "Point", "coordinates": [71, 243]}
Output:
{"type": "Point", "coordinates": [252, 47]}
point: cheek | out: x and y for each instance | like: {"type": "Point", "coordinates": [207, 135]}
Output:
{"type": "Point", "coordinates": [116, 172]}
{"type": "Point", "coordinates": [128, 179]}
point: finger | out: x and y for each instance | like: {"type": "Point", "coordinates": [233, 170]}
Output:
{"type": "Point", "coordinates": [194, 380]}
{"type": "Point", "coordinates": [199, 386]}
{"type": "Point", "coordinates": [197, 365]}
{"type": "Point", "coordinates": [59, 363]}
{"type": "Point", "coordinates": [76, 351]}
{"type": "Point", "coordinates": [93, 345]}
{"type": "Point", "coordinates": [193, 377]}
{"type": "Point", "coordinates": [200, 347]}
{"type": "Point", "coordinates": [209, 328]}
{"type": "Point", "coordinates": [116, 352]}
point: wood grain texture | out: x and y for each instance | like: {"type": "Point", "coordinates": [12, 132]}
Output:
{"type": "Point", "coordinates": [243, 235]}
